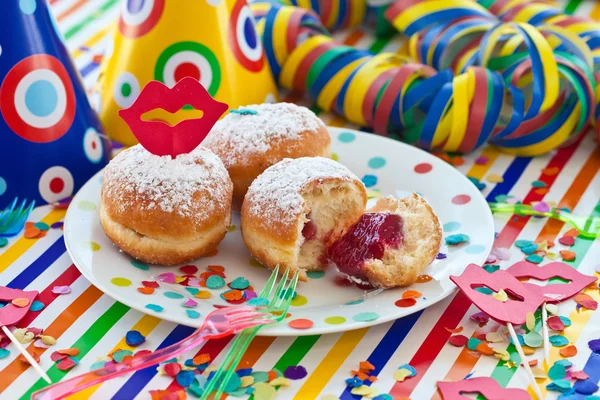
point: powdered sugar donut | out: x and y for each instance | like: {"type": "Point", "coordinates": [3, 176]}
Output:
{"type": "Point", "coordinates": [166, 211]}
{"type": "Point", "coordinates": [296, 208]}
{"type": "Point", "coordinates": [391, 244]}
{"type": "Point", "coordinates": [251, 139]}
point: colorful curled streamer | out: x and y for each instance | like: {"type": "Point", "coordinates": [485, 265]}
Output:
{"type": "Point", "coordinates": [517, 74]}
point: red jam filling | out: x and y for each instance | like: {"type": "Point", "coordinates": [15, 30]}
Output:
{"type": "Point", "coordinates": [367, 239]}
{"type": "Point", "coordinates": [309, 231]}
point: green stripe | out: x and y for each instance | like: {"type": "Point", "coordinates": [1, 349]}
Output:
{"type": "Point", "coordinates": [571, 6]}
{"type": "Point", "coordinates": [380, 43]}
{"type": "Point", "coordinates": [502, 374]}
{"type": "Point", "coordinates": [90, 18]}
{"type": "Point", "coordinates": [84, 343]}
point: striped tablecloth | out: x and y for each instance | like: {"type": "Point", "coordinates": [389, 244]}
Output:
{"type": "Point", "coordinates": [95, 324]}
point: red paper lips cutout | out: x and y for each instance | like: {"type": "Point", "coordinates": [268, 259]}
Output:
{"type": "Point", "coordinates": [488, 387]}
{"type": "Point", "coordinates": [513, 311]}
{"type": "Point", "coordinates": [158, 137]}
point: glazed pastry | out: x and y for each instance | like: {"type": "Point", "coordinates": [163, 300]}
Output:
{"type": "Point", "coordinates": [389, 245]}
{"type": "Point", "coordinates": [251, 139]}
{"type": "Point", "coordinates": [296, 208]}
{"type": "Point", "coordinates": [165, 210]}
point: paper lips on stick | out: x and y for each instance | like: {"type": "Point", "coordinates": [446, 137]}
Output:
{"type": "Point", "coordinates": [488, 387]}
{"type": "Point", "coordinates": [160, 138]}
{"type": "Point", "coordinates": [51, 141]}
{"type": "Point", "coordinates": [213, 42]}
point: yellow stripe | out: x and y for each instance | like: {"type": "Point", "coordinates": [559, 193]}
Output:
{"type": "Point", "coordinates": [595, 13]}
{"type": "Point", "coordinates": [145, 325]}
{"type": "Point", "coordinates": [579, 320]}
{"type": "Point", "coordinates": [330, 364]}
{"type": "Point", "coordinates": [478, 171]}
{"type": "Point", "coordinates": [22, 245]}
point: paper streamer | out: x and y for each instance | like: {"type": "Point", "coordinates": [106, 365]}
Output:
{"type": "Point", "coordinates": [474, 77]}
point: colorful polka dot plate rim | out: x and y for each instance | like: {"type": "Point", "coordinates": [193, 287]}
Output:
{"type": "Point", "coordinates": [186, 294]}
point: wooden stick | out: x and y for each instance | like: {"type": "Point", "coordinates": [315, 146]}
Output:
{"type": "Point", "coordinates": [546, 336]}
{"type": "Point", "coordinates": [26, 354]}
{"type": "Point", "coordinates": [517, 344]}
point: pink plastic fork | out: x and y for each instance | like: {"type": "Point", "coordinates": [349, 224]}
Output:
{"type": "Point", "coordinates": [219, 323]}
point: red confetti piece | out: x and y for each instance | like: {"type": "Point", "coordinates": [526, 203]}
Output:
{"type": "Point", "coordinates": [301, 323]}
{"type": "Point", "coordinates": [458, 340]}
{"type": "Point", "coordinates": [65, 364]}
{"type": "Point", "coordinates": [189, 269]}
{"type": "Point", "coordinates": [403, 303]}
{"type": "Point", "coordinates": [32, 233]}
{"type": "Point", "coordinates": [568, 351]}
{"type": "Point", "coordinates": [567, 240]}
{"type": "Point", "coordinates": [56, 356]}
{"type": "Point", "coordinates": [150, 284]}
{"type": "Point", "coordinates": [586, 301]}
{"type": "Point", "coordinates": [216, 268]}
{"type": "Point", "coordinates": [172, 369]}
{"type": "Point", "coordinates": [568, 255]}
{"type": "Point", "coordinates": [555, 323]}
{"type": "Point", "coordinates": [579, 375]}
{"type": "Point", "coordinates": [455, 330]}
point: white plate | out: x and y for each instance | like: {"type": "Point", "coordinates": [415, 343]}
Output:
{"type": "Point", "coordinates": [390, 166]}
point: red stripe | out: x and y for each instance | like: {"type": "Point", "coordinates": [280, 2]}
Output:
{"type": "Point", "coordinates": [459, 306]}
{"type": "Point", "coordinates": [47, 297]}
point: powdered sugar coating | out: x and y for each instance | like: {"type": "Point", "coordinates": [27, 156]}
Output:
{"type": "Point", "coordinates": [276, 193]}
{"type": "Point", "coordinates": [247, 134]}
{"type": "Point", "coordinates": [151, 181]}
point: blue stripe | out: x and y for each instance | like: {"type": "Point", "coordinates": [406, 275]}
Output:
{"type": "Point", "coordinates": [37, 267]}
{"type": "Point", "coordinates": [384, 350]}
{"type": "Point", "coordinates": [511, 176]}
{"type": "Point", "coordinates": [89, 68]}
{"type": "Point", "coordinates": [136, 382]}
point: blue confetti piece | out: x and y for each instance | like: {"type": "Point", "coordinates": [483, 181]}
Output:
{"type": "Point", "coordinates": [189, 363]}
{"type": "Point", "coordinates": [37, 306]}
{"type": "Point", "coordinates": [566, 321]}
{"type": "Point", "coordinates": [258, 302]}
{"type": "Point", "coordinates": [192, 314]}
{"type": "Point", "coordinates": [4, 353]}
{"type": "Point", "coordinates": [478, 184]}
{"type": "Point", "coordinates": [586, 386]}
{"type": "Point", "coordinates": [232, 384]}
{"type": "Point", "coordinates": [384, 396]}
{"type": "Point", "coordinates": [193, 291]}
{"type": "Point", "coordinates": [354, 382]}
{"type": "Point", "coordinates": [473, 343]}
{"type": "Point", "coordinates": [565, 363]}
{"type": "Point", "coordinates": [243, 111]}
{"type": "Point", "coordinates": [215, 282]}
{"type": "Point", "coordinates": [534, 258]}
{"type": "Point", "coordinates": [119, 355]}
{"type": "Point", "coordinates": [42, 226]}
{"type": "Point", "coordinates": [244, 372]}
{"type": "Point", "coordinates": [529, 249]}
{"type": "Point", "coordinates": [413, 371]}
{"type": "Point", "coordinates": [523, 243]}
{"type": "Point", "coordinates": [491, 268]}
{"type": "Point", "coordinates": [195, 390]}
{"type": "Point", "coordinates": [441, 256]}
{"type": "Point", "coordinates": [457, 239]}
{"type": "Point", "coordinates": [154, 307]}
{"type": "Point", "coordinates": [134, 338]}
{"type": "Point", "coordinates": [240, 283]}
{"type": "Point", "coordinates": [569, 395]}
{"type": "Point", "coordinates": [97, 365]}
{"type": "Point", "coordinates": [185, 378]}
{"type": "Point", "coordinates": [559, 385]}
{"type": "Point", "coordinates": [556, 372]}
{"type": "Point", "coordinates": [484, 290]}
{"type": "Point", "coordinates": [521, 340]}
{"type": "Point", "coordinates": [558, 340]}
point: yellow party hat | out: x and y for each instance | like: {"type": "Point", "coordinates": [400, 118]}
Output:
{"type": "Point", "coordinates": [214, 41]}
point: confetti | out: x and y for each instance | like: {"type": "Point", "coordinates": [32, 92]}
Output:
{"type": "Point", "coordinates": [280, 381]}
{"type": "Point", "coordinates": [192, 314]}
{"type": "Point", "coordinates": [401, 374]}
{"type": "Point", "coordinates": [586, 386]}
{"type": "Point", "coordinates": [203, 294]}
{"type": "Point", "coordinates": [494, 178]}
{"type": "Point", "coordinates": [403, 303]}
{"type": "Point", "coordinates": [23, 336]}
{"type": "Point", "coordinates": [458, 340]}
{"type": "Point", "coordinates": [3, 242]}
{"type": "Point", "coordinates": [559, 385]}
{"type": "Point", "coordinates": [567, 255]}
{"type": "Point", "coordinates": [188, 269]}
{"type": "Point", "coordinates": [189, 303]}
{"type": "Point", "coordinates": [56, 356]}
{"type": "Point", "coordinates": [538, 184]}
{"type": "Point", "coordinates": [20, 302]}
{"type": "Point", "coordinates": [145, 290]}
{"type": "Point", "coordinates": [539, 373]}
{"type": "Point", "coordinates": [134, 338]}
{"type": "Point", "coordinates": [523, 243]}
{"type": "Point", "coordinates": [482, 160]}
{"type": "Point", "coordinates": [69, 352]}
{"type": "Point", "coordinates": [557, 371]}
{"type": "Point", "coordinates": [558, 340]}
{"type": "Point", "coordinates": [154, 307]}
{"type": "Point", "coordinates": [66, 364]}
{"type": "Point", "coordinates": [185, 378]}
{"type": "Point", "coordinates": [555, 323]}
{"type": "Point", "coordinates": [529, 249]}
{"type": "Point", "coordinates": [457, 239]}
{"type": "Point", "coordinates": [478, 184]}
{"type": "Point", "coordinates": [530, 321]}
{"type": "Point", "coordinates": [167, 277]}
{"type": "Point", "coordinates": [215, 282]}
{"type": "Point", "coordinates": [485, 349]}
{"type": "Point", "coordinates": [510, 364]}
{"type": "Point", "coordinates": [455, 330]}
{"type": "Point", "coordinates": [48, 340]}
{"type": "Point", "coordinates": [480, 317]}
{"type": "Point", "coordinates": [37, 306]}
{"type": "Point", "coordinates": [585, 300]}
{"type": "Point", "coordinates": [239, 283]}
{"type": "Point", "coordinates": [534, 258]}
{"type": "Point", "coordinates": [569, 351]}
{"type": "Point", "coordinates": [150, 284]}
{"type": "Point", "coordinates": [594, 345]}
{"type": "Point", "coordinates": [552, 309]}
{"type": "Point", "coordinates": [494, 337]}
{"type": "Point", "coordinates": [579, 375]}
{"type": "Point", "coordinates": [295, 372]}
{"type": "Point", "coordinates": [491, 268]}
{"type": "Point", "coordinates": [502, 354]}
{"type": "Point", "coordinates": [472, 343]}
{"type": "Point", "coordinates": [500, 296]}
{"type": "Point", "coordinates": [31, 232]}
{"type": "Point", "coordinates": [572, 232]}
{"type": "Point", "coordinates": [567, 240]}
{"type": "Point", "coordinates": [263, 391]}
{"type": "Point", "coordinates": [533, 339]}
{"type": "Point", "coordinates": [541, 207]}
{"type": "Point", "coordinates": [118, 355]}
{"type": "Point", "coordinates": [4, 353]}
